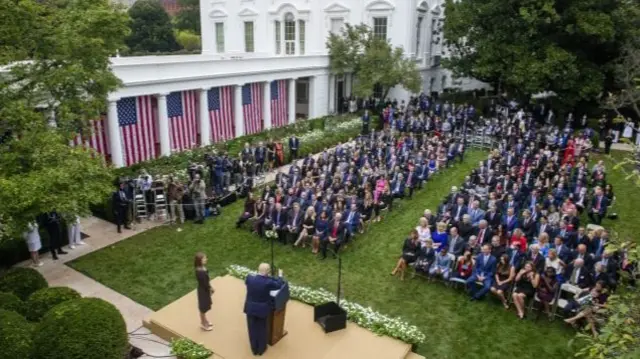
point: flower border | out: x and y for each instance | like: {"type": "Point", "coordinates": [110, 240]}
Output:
{"type": "Point", "coordinates": [365, 317]}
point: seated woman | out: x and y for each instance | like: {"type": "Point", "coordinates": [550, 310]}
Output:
{"type": "Point", "coordinates": [442, 265]}
{"type": "Point", "coordinates": [518, 237]}
{"type": "Point", "coordinates": [410, 250]}
{"type": "Point", "coordinates": [505, 273]}
{"type": "Point", "coordinates": [553, 261]}
{"type": "Point", "coordinates": [440, 237]}
{"type": "Point", "coordinates": [321, 232]}
{"type": "Point", "coordinates": [367, 208]}
{"type": "Point", "coordinates": [547, 289]}
{"type": "Point", "coordinates": [543, 244]}
{"type": "Point", "coordinates": [464, 266]}
{"type": "Point", "coordinates": [526, 284]}
{"type": "Point", "coordinates": [426, 257]}
{"type": "Point", "coordinates": [424, 233]}
{"type": "Point", "coordinates": [384, 202]}
{"type": "Point", "coordinates": [592, 302]}
{"type": "Point", "coordinates": [249, 210]}
{"type": "Point", "coordinates": [308, 225]}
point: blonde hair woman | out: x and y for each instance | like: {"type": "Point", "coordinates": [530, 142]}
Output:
{"type": "Point", "coordinates": [308, 223]}
{"type": "Point", "coordinates": [440, 238]}
{"type": "Point", "coordinates": [424, 233]}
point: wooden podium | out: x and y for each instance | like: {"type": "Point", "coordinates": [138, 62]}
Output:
{"type": "Point", "coordinates": [275, 321]}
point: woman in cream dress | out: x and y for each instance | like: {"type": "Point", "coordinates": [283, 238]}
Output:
{"type": "Point", "coordinates": [32, 237]}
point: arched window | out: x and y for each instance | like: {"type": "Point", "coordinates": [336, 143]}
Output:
{"type": "Point", "coordinates": [289, 34]}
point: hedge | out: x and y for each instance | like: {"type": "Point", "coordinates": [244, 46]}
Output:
{"type": "Point", "coordinates": [332, 135]}
{"type": "Point", "coordinates": [22, 282]}
{"type": "Point", "coordinates": [41, 301]}
{"type": "Point", "coordinates": [16, 333]}
{"type": "Point", "coordinates": [10, 301]}
{"type": "Point", "coordinates": [85, 328]}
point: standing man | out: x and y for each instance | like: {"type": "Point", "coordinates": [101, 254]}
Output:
{"type": "Point", "coordinates": [52, 222]}
{"type": "Point", "coordinates": [294, 145]}
{"type": "Point", "coordinates": [258, 305]}
{"type": "Point", "coordinates": [176, 193]}
{"type": "Point", "coordinates": [198, 195]}
{"type": "Point", "coordinates": [120, 202]}
{"type": "Point", "coordinates": [366, 120]}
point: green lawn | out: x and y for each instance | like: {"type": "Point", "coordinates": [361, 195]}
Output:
{"type": "Point", "coordinates": [155, 268]}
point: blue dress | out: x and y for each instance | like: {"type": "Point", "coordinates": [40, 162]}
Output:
{"type": "Point", "coordinates": [440, 237]}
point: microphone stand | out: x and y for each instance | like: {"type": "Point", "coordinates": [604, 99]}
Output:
{"type": "Point", "coordinates": [273, 267]}
{"type": "Point", "coordinates": [339, 289]}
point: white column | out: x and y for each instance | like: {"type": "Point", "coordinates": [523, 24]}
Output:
{"type": "Point", "coordinates": [163, 125]}
{"type": "Point", "coordinates": [312, 105]}
{"type": "Point", "coordinates": [332, 93]}
{"type": "Point", "coordinates": [205, 124]}
{"type": "Point", "coordinates": [52, 118]}
{"type": "Point", "coordinates": [347, 84]}
{"type": "Point", "coordinates": [266, 105]}
{"type": "Point", "coordinates": [292, 100]}
{"type": "Point", "coordinates": [237, 111]}
{"type": "Point", "coordinates": [115, 141]}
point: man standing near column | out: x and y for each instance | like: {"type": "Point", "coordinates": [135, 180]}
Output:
{"type": "Point", "coordinates": [294, 145]}
{"type": "Point", "coordinates": [365, 122]}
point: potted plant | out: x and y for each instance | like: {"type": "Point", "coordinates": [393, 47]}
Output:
{"type": "Point", "coordinates": [184, 348]}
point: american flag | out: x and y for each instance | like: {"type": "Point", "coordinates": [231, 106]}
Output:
{"type": "Point", "coordinates": [252, 108]}
{"type": "Point", "coordinates": [221, 113]}
{"type": "Point", "coordinates": [279, 108]}
{"type": "Point", "coordinates": [137, 120]}
{"type": "Point", "coordinates": [182, 109]}
{"type": "Point", "coordinates": [97, 138]}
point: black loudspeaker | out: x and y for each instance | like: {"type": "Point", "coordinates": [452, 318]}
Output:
{"type": "Point", "coordinates": [330, 316]}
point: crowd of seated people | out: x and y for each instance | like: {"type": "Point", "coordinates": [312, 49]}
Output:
{"type": "Point", "coordinates": [329, 198]}
{"type": "Point", "coordinates": [513, 228]}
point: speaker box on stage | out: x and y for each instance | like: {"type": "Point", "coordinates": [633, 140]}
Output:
{"type": "Point", "coordinates": [330, 316]}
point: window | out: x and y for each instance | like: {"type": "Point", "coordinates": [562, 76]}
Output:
{"type": "Point", "coordinates": [302, 95]}
{"type": "Point", "coordinates": [289, 35]}
{"type": "Point", "coordinates": [248, 36]}
{"type": "Point", "coordinates": [301, 34]}
{"type": "Point", "coordinates": [418, 35]}
{"type": "Point", "coordinates": [380, 27]}
{"type": "Point", "coordinates": [219, 37]}
{"type": "Point", "coordinates": [336, 26]}
{"type": "Point", "coordinates": [278, 32]}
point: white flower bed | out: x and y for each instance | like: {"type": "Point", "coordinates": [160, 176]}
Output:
{"type": "Point", "coordinates": [365, 317]}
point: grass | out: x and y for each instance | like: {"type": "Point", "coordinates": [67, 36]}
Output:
{"type": "Point", "coordinates": [155, 268]}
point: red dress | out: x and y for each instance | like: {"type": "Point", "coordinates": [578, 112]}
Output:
{"type": "Point", "coordinates": [523, 243]}
{"type": "Point", "coordinates": [569, 153]}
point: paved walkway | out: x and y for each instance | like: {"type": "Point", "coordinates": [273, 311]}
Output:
{"type": "Point", "coordinates": [103, 234]}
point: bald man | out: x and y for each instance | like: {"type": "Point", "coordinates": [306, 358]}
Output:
{"type": "Point", "coordinates": [258, 305]}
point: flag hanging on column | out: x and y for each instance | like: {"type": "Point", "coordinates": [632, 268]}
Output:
{"type": "Point", "coordinates": [182, 110]}
{"type": "Point", "coordinates": [221, 113]}
{"type": "Point", "coordinates": [279, 107]}
{"type": "Point", "coordinates": [137, 120]}
{"type": "Point", "coordinates": [96, 139]}
{"type": "Point", "coordinates": [252, 108]}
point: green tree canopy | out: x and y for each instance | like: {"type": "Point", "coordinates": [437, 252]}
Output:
{"type": "Point", "coordinates": [54, 55]}
{"type": "Point", "coordinates": [532, 46]}
{"type": "Point", "coordinates": [189, 16]}
{"type": "Point", "coordinates": [151, 28]}
{"type": "Point", "coordinates": [372, 61]}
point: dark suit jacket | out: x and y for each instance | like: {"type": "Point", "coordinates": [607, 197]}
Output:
{"type": "Point", "coordinates": [298, 220]}
{"type": "Point", "coordinates": [294, 143]}
{"type": "Point", "coordinates": [603, 204]}
{"type": "Point", "coordinates": [339, 232]}
{"type": "Point", "coordinates": [538, 263]}
{"type": "Point", "coordinates": [258, 302]}
{"type": "Point", "coordinates": [585, 279]}
{"type": "Point", "coordinates": [283, 218]}
{"type": "Point", "coordinates": [486, 237]}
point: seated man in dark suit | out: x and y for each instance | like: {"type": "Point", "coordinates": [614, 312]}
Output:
{"type": "Point", "coordinates": [483, 271]}
{"type": "Point", "coordinates": [516, 257]}
{"type": "Point", "coordinates": [352, 220]}
{"type": "Point", "coordinates": [258, 305]}
{"type": "Point", "coordinates": [335, 237]}
{"type": "Point", "coordinates": [294, 223]}
{"type": "Point", "coordinates": [279, 217]}
{"type": "Point", "coordinates": [397, 187]}
{"type": "Point", "coordinates": [598, 208]}
{"type": "Point", "coordinates": [536, 258]}
{"type": "Point", "coordinates": [587, 258]}
{"type": "Point", "coordinates": [483, 233]}
{"type": "Point", "coordinates": [577, 274]}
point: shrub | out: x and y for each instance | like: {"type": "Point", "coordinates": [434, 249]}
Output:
{"type": "Point", "coordinates": [10, 301]}
{"type": "Point", "coordinates": [81, 328]}
{"type": "Point", "coordinates": [41, 301]}
{"type": "Point", "coordinates": [188, 40]}
{"type": "Point", "coordinates": [186, 349]}
{"type": "Point", "coordinates": [15, 335]}
{"type": "Point", "coordinates": [22, 282]}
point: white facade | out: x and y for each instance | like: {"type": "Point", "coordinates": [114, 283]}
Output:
{"type": "Point", "coordinates": [259, 41]}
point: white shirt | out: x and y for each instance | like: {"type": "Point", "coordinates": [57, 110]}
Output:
{"type": "Point", "coordinates": [423, 233]}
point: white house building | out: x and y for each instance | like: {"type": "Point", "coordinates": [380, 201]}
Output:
{"type": "Point", "coordinates": [264, 63]}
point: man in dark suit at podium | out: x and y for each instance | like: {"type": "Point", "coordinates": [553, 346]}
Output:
{"type": "Point", "coordinates": [258, 305]}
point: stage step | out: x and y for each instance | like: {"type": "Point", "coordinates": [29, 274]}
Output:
{"type": "Point", "coordinates": [413, 355]}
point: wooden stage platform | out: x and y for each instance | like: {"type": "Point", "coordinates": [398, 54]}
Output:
{"type": "Point", "coordinates": [305, 339]}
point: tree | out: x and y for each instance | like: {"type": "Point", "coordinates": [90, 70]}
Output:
{"type": "Point", "coordinates": [620, 335]}
{"type": "Point", "coordinates": [526, 47]}
{"type": "Point", "coordinates": [188, 40]}
{"type": "Point", "coordinates": [372, 61]}
{"type": "Point", "coordinates": [189, 16]}
{"type": "Point", "coordinates": [151, 28]}
{"type": "Point", "coordinates": [61, 62]}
